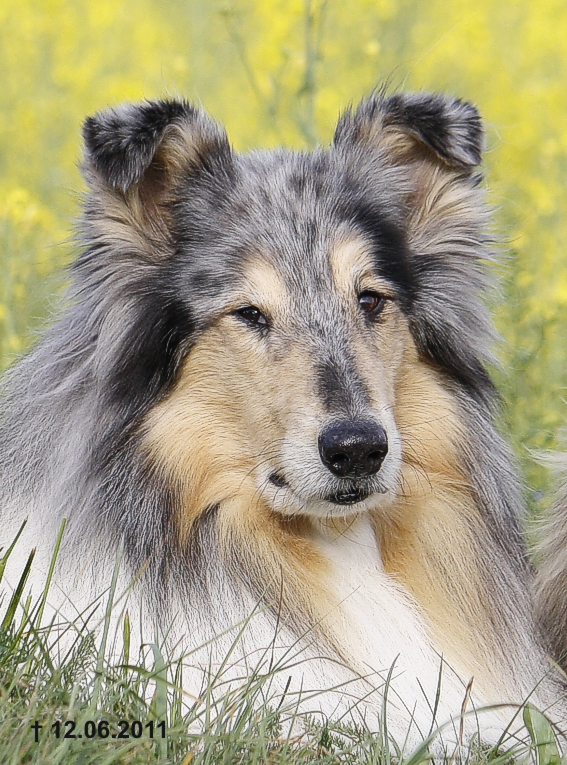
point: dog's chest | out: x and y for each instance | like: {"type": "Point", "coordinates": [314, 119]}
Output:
{"type": "Point", "coordinates": [376, 620]}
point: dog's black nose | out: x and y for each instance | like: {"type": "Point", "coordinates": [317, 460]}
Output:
{"type": "Point", "coordinates": [353, 449]}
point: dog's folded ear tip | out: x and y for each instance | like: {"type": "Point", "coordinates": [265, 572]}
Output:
{"type": "Point", "coordinates": [449, 127]}
{"type": "Point", "coordinates": [136, 117]}
{"type": "Point", "coordinates": [121, 142]}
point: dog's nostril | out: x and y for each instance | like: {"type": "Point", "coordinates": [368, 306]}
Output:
{"type": "Point", "coordinates": [353, 449]}
{"type": "Point", "coordinates": [339, 463]}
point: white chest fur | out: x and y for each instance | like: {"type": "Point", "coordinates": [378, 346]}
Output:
{"type": "Point", "coordinates": [386, 637]}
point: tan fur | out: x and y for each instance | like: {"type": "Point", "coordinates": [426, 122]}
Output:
{"type": "Point", "coordinates": [211, 432]}
{"type": "Point", "coordinates": [351, 265]}
{"type": "Point", "coordinates": [264, 286]}
{"type": "Point", "coordinates": [438, 202]}
{"type": "Point", "coordinates": [218, 470]}
{"type": "Point", "coordinates": [197, 437]}
{"type": "Point", "coordinates": [429, 540]}
{"type": "Point", "coordinates": [282, 555]}
{"type": "Point", "coordinates": [399, 145]}
{"type": "Point", "coordinates": [196, 434]}
{"type": "Point", "coordinates": [125, 225]}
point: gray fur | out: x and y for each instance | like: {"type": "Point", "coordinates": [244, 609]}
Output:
{"type": "Point", "coordinates": [551, 583]}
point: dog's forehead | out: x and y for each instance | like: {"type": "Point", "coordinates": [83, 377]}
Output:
{"type": "Point", "coordinates": [290, 197]}
{"type": "Point", "coordinates": [309, 214]}
{"type": "Point", "coordinates": [315, 218]}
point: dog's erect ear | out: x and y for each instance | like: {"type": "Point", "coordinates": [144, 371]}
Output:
{"type": "Point", "coordinates": [425, 148]}
{"type": "Point", "coordinates": [123, 144]}
{"type": "Point", "coordinates": [406, 126]}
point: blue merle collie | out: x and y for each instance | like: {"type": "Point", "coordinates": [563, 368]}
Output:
{"type": "Point", "coordinates": [267, 392]}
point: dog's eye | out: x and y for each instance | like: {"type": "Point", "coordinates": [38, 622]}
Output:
{"type": "Point", "coordinates": [371, 302]}
{"type": "Point", "coordinates": [253, 315]}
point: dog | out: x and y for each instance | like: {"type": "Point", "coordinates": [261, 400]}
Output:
{"type": "Point", "coordinates": [267, 394]}
{"type": "Point", "coordinates": [551, 581]}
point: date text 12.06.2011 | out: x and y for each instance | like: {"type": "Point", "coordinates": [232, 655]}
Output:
{"type": "Point", "coordinates": [103, 729]}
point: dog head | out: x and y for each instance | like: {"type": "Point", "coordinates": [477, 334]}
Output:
{"type": "Point", "coordinates": [273, 319]}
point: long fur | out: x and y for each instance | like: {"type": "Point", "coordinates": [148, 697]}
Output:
{"type": "Point", "coordinates": [160, 421]}
{"type": "Point", "coordinates": [551, 582]}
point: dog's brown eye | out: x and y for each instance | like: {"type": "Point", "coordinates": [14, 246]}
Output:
{"type": "Point", "coordinates": [253, 315]}
{"type": "Point", "coordinates": [371, 302]}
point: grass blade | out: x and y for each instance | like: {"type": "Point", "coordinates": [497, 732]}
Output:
{"type": "Point", "coordinates": [16, 597]}
{"type": "Point", "coordinates": [4, 559]}
{"type": "Point", "coordinates": [542, 736]}
{"type": "Point", "coordinates": [50, 572]}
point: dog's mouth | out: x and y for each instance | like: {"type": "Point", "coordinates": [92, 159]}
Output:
{"type": "Point", "coordinates": [351, 496]}
{"type": "Point", "coordinates": [348, 497]}
{"type": "Point", "coordinates": [278, 481]}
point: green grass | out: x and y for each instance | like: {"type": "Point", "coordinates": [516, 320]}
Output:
{"type": "Point", "coordinates": [248, 724]}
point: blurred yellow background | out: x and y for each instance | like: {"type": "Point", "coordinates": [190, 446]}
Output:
{"type": "Point", "coordinates": [280, 72]}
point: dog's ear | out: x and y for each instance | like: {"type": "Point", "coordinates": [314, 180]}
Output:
{"type": "Point", "coordinates": [407, 126]}
{"type": "Point", "coordinates": [136, 157]}
{"type": "Point", "coordinates": [122, 145]}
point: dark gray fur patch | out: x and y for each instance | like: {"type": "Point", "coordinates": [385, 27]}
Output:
{"type": "Point", "coordinates": [122, 142]}
{"type": "Point", "coordinates": [340, 388]}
